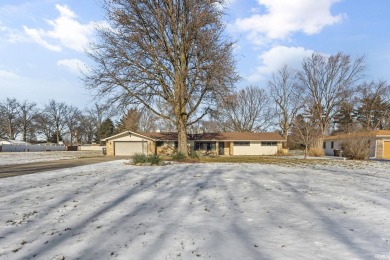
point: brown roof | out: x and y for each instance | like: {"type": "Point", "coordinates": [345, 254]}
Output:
{"type": "Point", "coordinates": [375, 133]}
{"type": "Point", "coordinates": [231, 136]}
{"type": "Point", "coordinates": [167, 136]}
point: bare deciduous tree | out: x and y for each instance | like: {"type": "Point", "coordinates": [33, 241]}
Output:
{"type": "Point", "coordinates": [167, 52]}
{"type": "Point", "coordinates": [3, 131]}
{"type": "Point", "coordinates": [147, 121]}
{"type": "Point", "coordinates": [86, 130]}
{"type": "Point", "coordinates": [44, 126]}
{"type": "Point", "coordinates": [328, 82]}
{"type": "Point", "coordinates": [72, 121]}
{"type": "Point", "coordinates": [288, 97]}
{"type": "Point", "coordinates": [27, 114]}
{"type": "Point", "coordinates": [11, 121]}
{"type": "Point", "coordinates": [247, 110]}
{"type": "Point", "coordinates": [55, 113]}
{"type": "Point", "coordinates": [304, 132]}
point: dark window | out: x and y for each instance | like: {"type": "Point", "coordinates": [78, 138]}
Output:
{"type": "Point", "coordinates": [331, 145]}
{"type": "Point", "coordinates": [324, 145]}
{"type": "Point", "coordinates": [159, 143]}
{"type": "Point", "coordinates": [241, 143]}
{"type": "Point", "coordinates": [206, 146]}
{"type": "Point", "coordinates": [176, 144]}
{"type": "Point", "coordinates": [269, 143]}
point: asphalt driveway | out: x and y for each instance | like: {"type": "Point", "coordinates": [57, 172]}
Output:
{"type": "Point", "coordinates": [29, 168]}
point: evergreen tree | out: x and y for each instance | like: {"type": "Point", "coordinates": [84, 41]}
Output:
{"type": "Point", "coordinates": [129, 121]}
{"type": "Point", "coordinates": [105, 130]}
{"type": "Point", "coordinates": [345, 119]}
{"type": "Point", "coordinates": [373, 105]}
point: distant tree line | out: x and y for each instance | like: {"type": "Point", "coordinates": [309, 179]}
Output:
{"type": "Point", "coordinates": [56, 121]}
{"type": "Point", "coordinates": [53, 122]}
{"type": "Point", "coordinates": [326, 96]}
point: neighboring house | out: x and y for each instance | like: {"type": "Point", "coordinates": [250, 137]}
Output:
{"type": "Point", "coordinates": [379, 143]}
{"type": "Point", "coordinates": [129, 143]}
{"type": "Point", "coordinates": [14, 142]}
{"type": "Point", "coordinates": [2, 141]}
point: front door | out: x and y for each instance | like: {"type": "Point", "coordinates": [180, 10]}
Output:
{"type": "Point", "coordinates": [221, 148]}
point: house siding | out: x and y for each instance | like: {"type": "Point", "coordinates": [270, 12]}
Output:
{"type": "Point", "coordinates": [373, 146]}
{"type": "Point", "coordinates": [379, 149]}
{"type": "Point", "coordinates": [329, 151]}
{"type": "Point", "coordinates": [168, 148]}
{"type": "Point", "coordinates": [255, 148]}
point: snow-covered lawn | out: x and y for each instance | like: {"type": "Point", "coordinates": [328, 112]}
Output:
{"type": "Point", "coordinates": [29, 157]}
{"type": "Point", "coordinates": [198, 211]}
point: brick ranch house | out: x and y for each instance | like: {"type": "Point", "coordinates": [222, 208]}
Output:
{"type": "Point", "coordinates": [379, 143]}
{"type": "Point", "coordinates": [234, 143]}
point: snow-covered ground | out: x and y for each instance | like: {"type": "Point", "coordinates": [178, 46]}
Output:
{"type": "Point", "coordinates": [198, 211]}
{"type": "Point", "coordinates": [29, 157]}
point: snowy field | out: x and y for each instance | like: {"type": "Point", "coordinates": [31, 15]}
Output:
{"type": "Point", "coordinates": [198, 211]}
{"type": "Point", "coordinates": [30, 157]}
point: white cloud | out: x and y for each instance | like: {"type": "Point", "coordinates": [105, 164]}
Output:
{"type": "Point", "coordinates": [274, 59]}
{"type": "Point", "coordinates": [75, 66]}
{"type": "Point", "coordinates": [4, 74]}
{"type": "Point", "coordinates": [284, 17]}
{"type": "Point", "coordinates": [37, 36]}
{"type": "Point", "coordinates": [66, 32]}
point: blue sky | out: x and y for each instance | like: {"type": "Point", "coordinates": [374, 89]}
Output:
{"type": "Point", "coordinates": [42, 42]}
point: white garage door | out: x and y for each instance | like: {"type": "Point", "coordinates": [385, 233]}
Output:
{"type": "Point", "coordinates": [128, 148]}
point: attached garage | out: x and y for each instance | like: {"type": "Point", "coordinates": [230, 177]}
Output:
{"type": "Point", "coordinates": [128, 143]}
{"type": "Point", "coordinates": [386, 150]}
{"type": "Point", "coordinates": [122, 148]}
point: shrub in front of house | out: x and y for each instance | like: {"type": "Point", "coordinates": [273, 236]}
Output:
{"type": "Point", "coordinates": [139, 158]}
{"type": "Point", "coordinates": [194, 155]}
{"type": "Point", "coordinates": [179, 156]}
{"type": "Point", "coordinates": [154, 159]}
{"type": "Point", "coordinates": [356, 148]}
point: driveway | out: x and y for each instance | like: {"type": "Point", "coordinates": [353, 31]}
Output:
{"type": "Point", "coordinates": [29, 168]}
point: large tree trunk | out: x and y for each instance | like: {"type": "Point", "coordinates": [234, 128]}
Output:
{"type": "Point", "coordinates": [286, 127]}
{"type": "Point", "coordinates": [24, 133]}
{"type": "Point", "coordinates": [182, 134]}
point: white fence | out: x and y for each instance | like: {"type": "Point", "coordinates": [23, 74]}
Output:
{"type": "Point", "coordinates": [91, 148]}
{"type": "Point", "coordinates": [31, 147]}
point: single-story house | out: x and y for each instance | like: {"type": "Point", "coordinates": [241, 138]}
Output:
{"type": "Point", "coordinates": [15, 142]}
{"type": "Point", "coordinates": [232, 143]}
{"type": "Point", "coordinates": [379, 142]}
{"type": "Point", "coordinates": [2, 141]}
